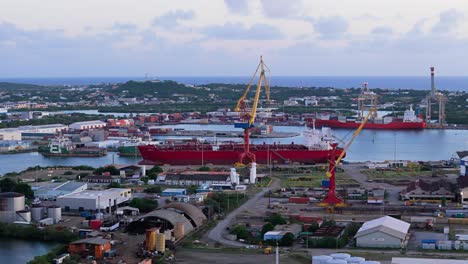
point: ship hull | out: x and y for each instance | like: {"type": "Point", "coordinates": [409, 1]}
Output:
{"type": "Point", "coordinates": [395, 125]}
{"type": "Point", "coordinates": [280, 154]}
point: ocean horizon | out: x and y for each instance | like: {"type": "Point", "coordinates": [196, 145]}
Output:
{"type": "Point", "coordinates": [447, 83]}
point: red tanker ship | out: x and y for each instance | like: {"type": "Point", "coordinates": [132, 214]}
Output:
{"type": "Point", "coordinates": [409, 121]}
{"type": "Point", "coordinates": [317, 149]}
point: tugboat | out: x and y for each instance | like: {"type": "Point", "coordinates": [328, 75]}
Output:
{"type": "Point", "coordinates": [63, 147]}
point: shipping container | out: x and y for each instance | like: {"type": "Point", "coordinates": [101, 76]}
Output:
{"type": "Point", "coordinates": [299, 200]}
{"type": "Point", "coordinates": [95, 224]}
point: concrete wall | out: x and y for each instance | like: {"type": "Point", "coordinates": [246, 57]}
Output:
{"type": "Point", "coordinates": [378, 240]}
{"type": "Point", "coordinates": [76, 203]}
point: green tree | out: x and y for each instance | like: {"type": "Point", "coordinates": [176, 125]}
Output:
{"type": "Point", "coordinates": [114, 185]}
{"type": "Point", "coordinates": [7, 185]}
{"type": "Point", "coordinates": [153, 189]}
{"type": "Point", "coordinates": [192, 189]}
{"type": "Point", "coordinates": [154, 172]}
{"type": "Point", "coordinates": [241, 232]}
{"type": "Point", "coordinates": [25, 189]}
{"type": "Point", "coordinates": [204, 168]}
{"type": "Point", "coordinates": [111, 169]}
{"type": "Point", "coordinates": [144, 179]}
{"type": "Point", "coordinates": [145, 205]}
{"type": "Point", "coordinates": [267, 227]}
{"type": "Point", "coordinates": [287, 240]}
{"type": "Point", "coordinates": [276, 219]}
{"type": "Point", "coordinates": [313, 227]}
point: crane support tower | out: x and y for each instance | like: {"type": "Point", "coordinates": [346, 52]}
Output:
{"type": "Point", "coordinates": [248, 115]}
{"type": "Point", "coordinates": [332, 200]}
{"type": "Point", "coordinates": [437, 98]}
{"type": "Point", "coordinates": [367, 100]}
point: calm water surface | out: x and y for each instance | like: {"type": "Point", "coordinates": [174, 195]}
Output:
{"type": "Point", "coordinates": [15, 251]}
{"type": "Point", "coordinates": [369, 145]}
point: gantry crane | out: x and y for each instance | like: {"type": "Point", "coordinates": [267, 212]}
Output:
{"type": "Point", "coordinates": [332, 200]}
{"type": "Point", "coordinates": [247, 118]}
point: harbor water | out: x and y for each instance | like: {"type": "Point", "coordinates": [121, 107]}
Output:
{"type": "Point", "coordinates": [21, 251]}
{"type": "Point", "coordinates": [370, 145]}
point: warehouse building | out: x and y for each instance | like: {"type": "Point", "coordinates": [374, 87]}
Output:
{"type": "Point", "coordinates": [92, 200]}
{"type": "Point", "coordinates": [52, 191]}
{"type": "Point", "coordinates": [173, 192]}
{"type": "Point", "coordinates": [194, 178]}
{"type": "Point", "coordinates": [384, 232]}
{"type": "Point", "coordinates": [87, 125]}
{"type": "Point", "coordinates": [25, 132]}
{"type": "Point", "coordinates": [10, 134]}
{"type": "Point", "coordinates": [427, 261]}
{"type": "Point", "coordinates": [429, 191]}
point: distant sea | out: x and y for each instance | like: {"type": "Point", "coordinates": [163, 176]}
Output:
{"type": "Point", "coordinates": [452, 83]}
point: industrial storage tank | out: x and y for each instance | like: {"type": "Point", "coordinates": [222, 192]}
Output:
{"type": "Point", "coordinates": [321, 259]}
{"type": "Point", "coordinates": [356, 260]}
{"type": "Point", "coordinates": [55, 212]}
{"type": "Point", "coordinates": [340, 256]}
{"type": "Point", "coordinates": [37, 213]}
{"type": "Point", "coordinates": [11, 201]}
{"type": "Point", "coordinates": [179, 230]}
{"type": "Point", "coordinates": [371, 262]}
{"type": "Point", "coordinates": [336, 261]}
{"type": "Point", "coordinates": [151, 239]}
{"type": "Point", "coordinates": [23, 216]}
{"type": "Point", "coordinates": [160, 242]}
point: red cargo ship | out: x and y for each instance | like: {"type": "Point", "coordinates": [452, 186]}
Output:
{"type": "Point", "coordinates": [409, 121]}
{"type": "Point", "coordinates": [317, 149]}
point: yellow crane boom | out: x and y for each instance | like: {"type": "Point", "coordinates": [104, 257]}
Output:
{"type": "Point", "coordinates": [371, 112]}
{"type": "Point", "coordinates": [262, 78]}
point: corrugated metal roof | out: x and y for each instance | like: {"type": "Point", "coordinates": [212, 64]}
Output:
{"type": "Point", "coordinates": [427, 261]}
{"type": "Point", "coordinates": [386, 224]}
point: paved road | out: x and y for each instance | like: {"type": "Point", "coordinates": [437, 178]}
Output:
{"type": "Point", "coordinates": [216, 234]}
{"type": "Point", "coordinates": [353, 170]}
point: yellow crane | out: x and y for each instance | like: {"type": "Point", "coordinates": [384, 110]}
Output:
{"type": "Point", "coordinates": [248, 117]}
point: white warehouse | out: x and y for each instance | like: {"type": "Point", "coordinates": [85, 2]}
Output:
{"type": "Point", "coordinates": [87, 125]}
{"type": "Point", "coordinates": [383, 232]}
{"type": "Point", "coordinates": [92, 200]}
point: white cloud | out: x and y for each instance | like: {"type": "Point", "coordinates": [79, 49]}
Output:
{"type": "Point", "coordinates": [237, 6]}
{"type": "Point", "coordinates": [172, 19]}
{"type": "Point", "coordinates": [331, 27]}
{"type": "Point", "coordinates": [237, 31]}
{"type": "Point", "coordinates": [281, 8]}
{"type": "Point", "coordinates": [448, 21]}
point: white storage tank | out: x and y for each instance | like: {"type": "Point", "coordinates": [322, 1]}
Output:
{"type": "Point", "coordinates": [23, 216]}
{"type": "Point", "coordinates": [320, 259]}
{"type": "Point", "coordinates": [55, 212]}
{"type": "Point", "coordinates": [356, 260]}
{"type": "Point", "coordinates": [342, 256]}
{"type": "Point", "coordinates": [11, 201]}
{"type": "Point", "coordinates": [371, 262]}
{"type": "Point", "coordinates": [336, 261]}
{"type": "Point", "coordinates": [37, 213]}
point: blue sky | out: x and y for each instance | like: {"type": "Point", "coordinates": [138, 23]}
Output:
{"type": "Point", "coordinates": [56, 38]}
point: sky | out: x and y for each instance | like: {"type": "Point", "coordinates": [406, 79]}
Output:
{"type": "Point", "coordinates": [73, 38]}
